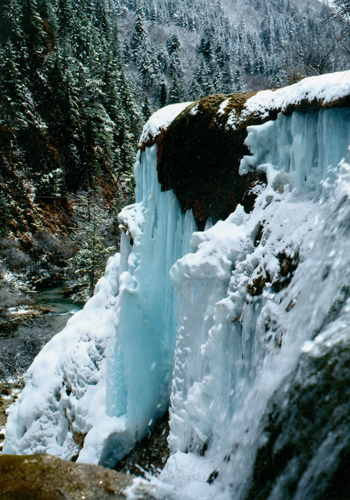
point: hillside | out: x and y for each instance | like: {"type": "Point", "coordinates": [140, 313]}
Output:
{"type": "Point", "coordinates": [185, 50]}
{"type": "Point", "coordinates": [70, 119]}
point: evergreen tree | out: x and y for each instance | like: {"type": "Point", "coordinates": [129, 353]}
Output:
{"type": "Point", "coordinates": [90, 261]}
{"type": "Point", "coordinates": [163, 60]}
{"type": "Point", "coordinates": [172, 43]}
{"type": "Point", "coordinates": [4, 214]}
{"type": "Point", "coordinates": [238, 83]}
{"type": "Point", "coordinates": [176, 93]}
{"type": "Point", "coordinates": [69, 116]}
{"type": "Point", "coordinates": [163, 97]}
{"type": "Point", "coordinates": [146, 108]}
{"type": "Point", "coordinates": [139, 38]}
{"type": "Point", "coordinates": [126, 52]}
{"type": "Point", "coordinates": [16, 102]}
{"type": "Point", "coordinates": [205, 46]}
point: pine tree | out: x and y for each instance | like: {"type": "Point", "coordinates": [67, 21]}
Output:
{"type": "Point", "coordinates": [146, 108]}
{"type": "Point", "coordinates": [4, 214]}
{"type": "Point", "coordinates": [126, 52]}
{"type": "Point", "coordinates": [176, 93]}
{"type": "Point", "coordinates": [238, 83]}
{"type": "Point", "coordinates": [90, 261]}
{"type": "Point", "coordinates": [172, 43]}
{"type": "Point", "coordinates": [205, 46]}
{"type": "Point", "coordinates": [15, 99]}
{"type": "Point", "coordinates": [163, 96]}
{"type": "Point", "coordinates": [138, 38]}
{"type": "Point", "coordinates": [226, 80]}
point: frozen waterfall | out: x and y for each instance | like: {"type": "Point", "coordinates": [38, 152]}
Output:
{"type": "Point", "coordinates": [243, 327]}
{"type": "Point", "coordinates": [140, 360]}
{"type": "Point", "coordinates": [117, 353]}
{"type": "Point", "coordinates": [253, 291]}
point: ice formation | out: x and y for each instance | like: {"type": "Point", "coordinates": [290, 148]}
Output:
{"type": "Point", "coordinates": [229, 322]}
{"type": "Point", "coordinates": [141, 358]}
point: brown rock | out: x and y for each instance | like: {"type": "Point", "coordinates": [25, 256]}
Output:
{"type": "Point", "coordinates": [199, 157]}
{"type": "Point", "coordinates": [45, 477]}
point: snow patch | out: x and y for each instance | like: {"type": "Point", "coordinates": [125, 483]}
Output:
{"type": "Point", "coordinates": [325, 88]}
{"type": "Point", "coordinates": [161, 120]}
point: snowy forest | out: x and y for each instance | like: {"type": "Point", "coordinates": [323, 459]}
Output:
{"type": "Point", "coordinates": [174, 264]}
{"type": "Point", "coordinates": [79, 78]}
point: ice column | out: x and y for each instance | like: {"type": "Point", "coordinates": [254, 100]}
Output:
{"type": "Point", "coordinates": [307, 147]}
{"type": "Point", "coordinates": [141, 363]}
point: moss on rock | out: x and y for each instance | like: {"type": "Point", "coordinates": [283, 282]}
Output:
{"type": "Point", "coordinates": [199, 157]}
{"type": "Point", "coordinates": [306, 446]}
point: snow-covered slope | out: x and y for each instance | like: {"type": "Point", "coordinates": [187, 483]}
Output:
{"type": "Point", "coordinates": [261, 299]}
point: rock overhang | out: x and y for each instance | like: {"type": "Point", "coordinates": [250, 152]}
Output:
{"type": "Point", "coordinates": [200, 150]}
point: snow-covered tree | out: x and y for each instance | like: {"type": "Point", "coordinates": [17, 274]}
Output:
{"type": "Point", "coordinates": [90, 260]}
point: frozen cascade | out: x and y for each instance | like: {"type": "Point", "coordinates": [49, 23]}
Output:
{"type": "Point", "coordinates": [131, 321]}
{"type": "Point", "coordinates": [221, 337]}
{"type": "Point", "coordinates": [140, 363]}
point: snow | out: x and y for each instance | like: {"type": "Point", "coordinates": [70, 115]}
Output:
{"type": "Point", "coordinates": [185, 477]}
{"type": "Point", "coordinates": [232, 120]}
{"type": "Point", "coordinates": [160, 120]}
{"type": "Point", "coordinates": [322, 90]}
{"type": "Point", "coordinates": [214, 320]}
{"type": "Point", "coordinates": [326, 89]}
{"type": "Point", "coordinates": [194, 110]}
{"type": "Point", "coordinates": [222, 107]}
{"type": "Point", "coordinates": [65, 392]}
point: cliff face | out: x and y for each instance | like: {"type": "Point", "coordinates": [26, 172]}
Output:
{"type": "Point", "coordinates": [240, 324]}
{"type": "Point", "coordinates": [199, 157]}
{"type": "Point", "coordinates": [200, 152]}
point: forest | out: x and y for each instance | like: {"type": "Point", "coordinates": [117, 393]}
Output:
{"type": "Point", "coordinates": [78, 80]}
{"type": "Point", "coordinates": [256, 254]}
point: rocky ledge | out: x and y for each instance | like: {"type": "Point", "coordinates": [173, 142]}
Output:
{"type": "Point", "coordinates": [45, 477]}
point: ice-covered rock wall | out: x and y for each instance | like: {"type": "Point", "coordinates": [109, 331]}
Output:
{"type": "Point", "coordinates": [260, 292]}
{"type": "Point", "coordinates": [256, 393]}
{"type": "Point", "coordinates": [229, 283]}
{"type": "Point", "coordinates": [244, 324]}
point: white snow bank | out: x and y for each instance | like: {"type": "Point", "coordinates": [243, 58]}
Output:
{"type": "Point", "coordinates": [64, 398]}
{"type": "Point", "coordinates": [325, 88]}
{"type": "Point", "coordinates": [161, 119]}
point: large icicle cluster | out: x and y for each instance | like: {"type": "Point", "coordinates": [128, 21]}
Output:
{"type": "Point", "coordinates": [252, 294]}
{"type": "Point", "coordinates": [140, 360]}
{"type": "Point", "coordinates": [225, 321]}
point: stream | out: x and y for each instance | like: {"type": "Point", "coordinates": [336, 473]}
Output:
{"type": "Point", "coordinates": [61, 307]}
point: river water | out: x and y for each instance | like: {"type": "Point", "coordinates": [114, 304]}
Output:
{"type": "Point", "coordinates": [36, 324]}
{"type": "Point", "coordinates": [61, 307]}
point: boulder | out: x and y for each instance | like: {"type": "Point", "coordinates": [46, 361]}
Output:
{"type": "Point", "coordinates": [45, 477]}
